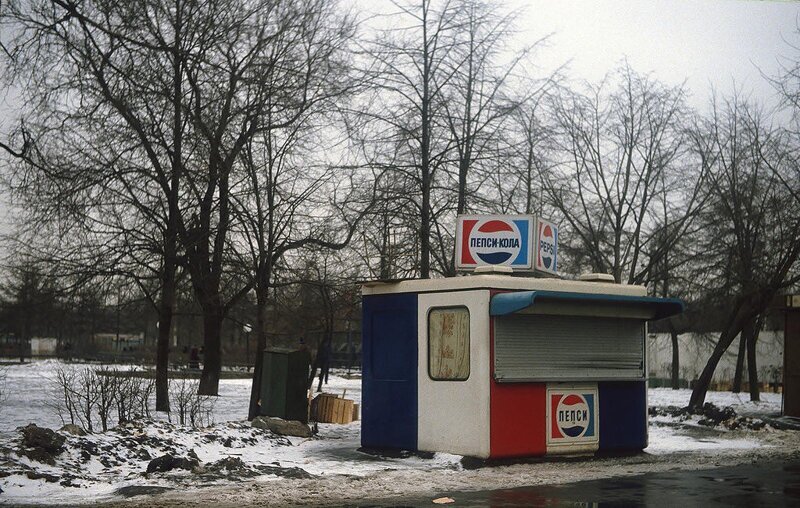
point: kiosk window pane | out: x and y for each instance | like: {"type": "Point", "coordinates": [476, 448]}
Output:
{"type": "Point", "coordinates": [448, 344]}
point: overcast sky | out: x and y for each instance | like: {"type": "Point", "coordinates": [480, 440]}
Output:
{"type": "Point", "coordinates": [704, 42]}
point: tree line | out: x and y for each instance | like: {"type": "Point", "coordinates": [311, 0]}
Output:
{"type": "Point", "coordinates": [238, 148]}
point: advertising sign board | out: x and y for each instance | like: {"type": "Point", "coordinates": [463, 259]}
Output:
{"type": "Point", "coordinates": [522, 242]}
{"type": "Point", "coordinates": [500, 240]}
{"type": "Point", "coordinates": [572, 416]}
{"type": "Point", "coordinates": [546, 247]}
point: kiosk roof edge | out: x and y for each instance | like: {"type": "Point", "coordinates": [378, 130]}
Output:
{"type": "Point", "coordinates": [492, 281]}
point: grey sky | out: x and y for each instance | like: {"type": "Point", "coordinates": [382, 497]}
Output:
{"type": "Point", "coordinates": [706, 42]}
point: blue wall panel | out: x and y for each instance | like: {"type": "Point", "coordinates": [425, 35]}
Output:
{"type": "Point", "coordinates": [389, 375]}
{"type": "Point", "coordinates": [623, 410]}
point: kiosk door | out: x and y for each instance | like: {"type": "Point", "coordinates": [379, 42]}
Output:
{"type": "Point", "coordinates": [389, 358]}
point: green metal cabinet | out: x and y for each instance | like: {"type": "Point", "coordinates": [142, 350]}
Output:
{"type": "Point", "coordinates": [284, 384]}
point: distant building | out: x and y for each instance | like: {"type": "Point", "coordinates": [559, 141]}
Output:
{"type": "Point", "coordinates": [43, 346]}
{"type": "Point", "coordinates": [121, 342]}
{"type": "Point", "coordinates": [695, 349]}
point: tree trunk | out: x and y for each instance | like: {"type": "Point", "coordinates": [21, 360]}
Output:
{"type": "Point", "coordinates": [386, 259]}
{"type": "Point", "coordinates": [314, 367]}
{"type": "Point", "coordinates": [166, 309]}
{"type": "Point", "coordinates": [425, 155]}
{"type": "Point", "coordinates": [698, 397]}
{"type": "Point", "coordinates": [675, 357]}
{"type": "Point", "coordinates": [752, 365]}
{"type": "Point", "coordinates": [165, 312]}
{"type": "Point", "coordinates": [745, 310]}
{"type": "Point", "coordinates": [168, 289]}
{"type": "Point", "coordinates": [463, 169]}
{"type": "Point", "coordinates": [737, 376]}
{"type": "Point", "coordinates": [529, 179]}
{"type": "Point", "coordinates": [212, 349]}
{"type": "Point", "coordinates": [23, 338]}
{"type": "Point", "coordinates": [425, 227]}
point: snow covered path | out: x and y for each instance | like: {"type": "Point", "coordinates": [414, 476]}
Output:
{"type": "Point", "coordinates": [326, 469]}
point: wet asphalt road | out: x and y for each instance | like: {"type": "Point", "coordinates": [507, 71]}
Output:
{"type": "Point", "coordinates": [768, 484]}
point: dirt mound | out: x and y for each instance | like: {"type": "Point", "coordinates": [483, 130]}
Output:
{"type": "Point", "coordinates": [710, 416]}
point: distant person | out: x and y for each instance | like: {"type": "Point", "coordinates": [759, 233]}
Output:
{"type": "Point", "coordinates": [303, 347]}
{"type": "Point", "coordinates": [324, 362]}
{"type": "Point", "coordinates": [194, 358]}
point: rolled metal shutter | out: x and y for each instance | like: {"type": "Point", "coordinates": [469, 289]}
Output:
{"type": "Point", "coordinates": [530, 347]}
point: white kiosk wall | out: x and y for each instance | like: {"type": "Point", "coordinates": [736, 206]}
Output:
{"type": "Point", "coordinates": [456, 412]}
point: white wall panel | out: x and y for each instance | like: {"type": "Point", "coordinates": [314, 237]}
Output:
{"type": "Point", "coordinates": [454, 415]}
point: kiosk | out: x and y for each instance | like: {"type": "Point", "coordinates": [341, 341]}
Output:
{"type": "Point", "coordinates": [493, 365]}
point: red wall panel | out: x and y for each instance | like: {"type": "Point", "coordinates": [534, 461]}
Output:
{"type": "Point", "coordinates": [517, 419]}
{"type": "Point", "coordinates": [517, 415]}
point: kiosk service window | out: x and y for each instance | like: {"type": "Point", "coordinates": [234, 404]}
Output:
{"type": "Point", "coordinates": [448, 344]}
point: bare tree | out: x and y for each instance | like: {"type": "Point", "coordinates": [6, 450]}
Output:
{"type": "Point", "coordinates": [170, 94]}
{"type": "Point", "coordinates": [133, 395]}
{"type": "Point", "coordinates": [228, 96]}
{"type": "Point", "coordinates": [287, 187]}
{"type": "Point", "coordinates": [748, 338]}
{"type": "Point", "coordinates": [291, 207]}
{"type": "Point", "coordinates": [191, 408]}
{"type": "Point", "coordinates": [288, 208]}
{"type": "Point", "coordinates": [386, 247]}
{"type": "Point", "coordinates": [108, 98]}
{"type": "Point", "coordinates": [411, 73]}
{"type": "Point", "coordinates": [324, 295]}
{"type": "Point", "coordinates": [268, 69]}
{"type": "Point", "coordinates": [750, 244]}
{"type": "Point", "coordinates": [616, 145]}
{"type": "Point", "coordinates": [64, 400]}
{"type": "Point", "coordinates": [388, 240]}
{"type": "Point", "coordinates": [530, 137]}
{"type": "Point", "coordinates": [477, 108]}
{"type": "Point", "coordinates": [475, 101]}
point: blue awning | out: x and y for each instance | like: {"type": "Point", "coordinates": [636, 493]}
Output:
{"type": "Point", "coordinates": [508, 303]}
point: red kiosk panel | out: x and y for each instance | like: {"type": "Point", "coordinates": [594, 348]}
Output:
{"type": "Point", "coordinates": [516, 415]}
{"type": "Point", "coordinates": [517, 419]}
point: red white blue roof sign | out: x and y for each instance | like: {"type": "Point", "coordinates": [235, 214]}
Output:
{"type": "Point", "coordinates": [499, 240]}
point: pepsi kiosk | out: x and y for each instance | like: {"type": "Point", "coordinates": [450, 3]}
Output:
{"type": "Point", "coordinates": [494, 365]}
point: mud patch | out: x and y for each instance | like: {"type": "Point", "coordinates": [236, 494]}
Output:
{"type": "Point", "coordinates": [710, 416]}
{"type": "Point", "coordinates": [140, 490]}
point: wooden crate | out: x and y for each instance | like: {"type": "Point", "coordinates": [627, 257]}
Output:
{"type": "Point", "coordinates": [330, 408]}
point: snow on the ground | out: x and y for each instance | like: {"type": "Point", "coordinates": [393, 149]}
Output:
{"type": "Point", "coordinates": [29, 390]}
{"type": "Point", "coordinates": [109, 465]}
{"type": "Point", "coordinates": [770, 402]}
{"type": "Point", "coordinates": [26, 394]}
{"type": "Point", "coordinates": [668, 434]}
{"type": "Point", "coordinates": [664, 440]}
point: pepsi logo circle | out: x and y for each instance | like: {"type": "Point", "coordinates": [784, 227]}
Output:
{"type": "Point", "coordinates": [547, 246]}
{"type": "Point", "coordinates": [573, 415]}
{"type": "Point", "coordinates": [495, 242]}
